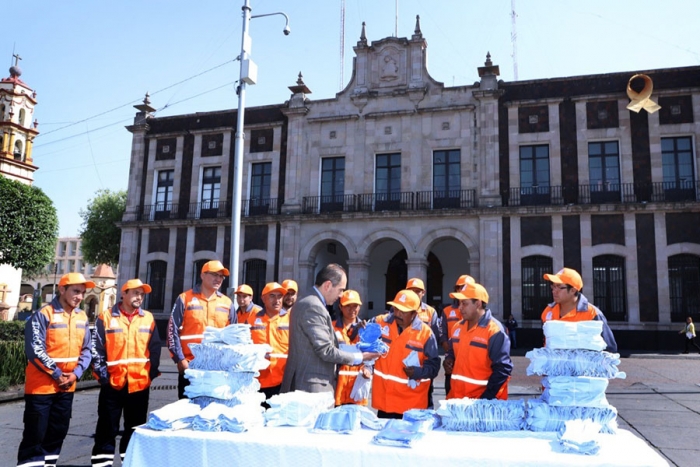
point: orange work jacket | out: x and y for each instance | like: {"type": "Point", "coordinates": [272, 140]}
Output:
{"type": "Point", "coordinates": [274, 332]}
{"type": "Point", "coordinates": [347, 374]}
{"type": "Point", "coordinates": [56, 342]}
{"type": "Point", "coordinates": [125, 350]}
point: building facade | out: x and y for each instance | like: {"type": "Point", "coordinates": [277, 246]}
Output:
{"type": "Point", "coordinates": [400, 176]}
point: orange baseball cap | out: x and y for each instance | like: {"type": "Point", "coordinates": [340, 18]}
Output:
{"type": "Point", "coordinates": [350, 297]}
{"type": "Point", "coordinates": [472, 291]}
{"type": "Point", "coordinates": [415, 283]}
{"type": "Point", "coordinates": [75, 278]}
{"type": "Point", "coordinates": [290, 285]}
{"type": "Point", "coordinates": [273, 287]}
{"type": "Point", "coordinates": [244, 289]}
{"type": "Point", "coordinates": [135, 284]}
{"type": "Point", "coordinates": [566, 276]}
{"type": "Point", "coordinates": [406, 300]}
{"type": "Point", "coordinates": [465, 279]}
{"type": "Point", "coordinates": [215, 266]}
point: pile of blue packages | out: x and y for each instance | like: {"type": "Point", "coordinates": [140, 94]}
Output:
{"type": "Point", "coordinates": [430, 417]}
{"type": "Point", "coordinates": [400, 433]}
{"type": "Point", "coordinates": [481, 415]}
{"type": "Point", "coordinates": [544, 417]}
{"type": "Point", "coordinates": [573, 362]}
{"type": "Point", "coordinates": [346, 419]}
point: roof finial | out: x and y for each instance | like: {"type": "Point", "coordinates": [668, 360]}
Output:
{"type": "Point", "coordinates": [488, 61]}
{"type": "Point", "coordinates": [363, 35]}
{"type": "Point", "coordinates": [15, 70]}
{"type": "Point", "coordinates": [417, 31]}
{"type": "Point", "coordinates": [147, 99]}
{"type": "Point", "coordinates": [300, 80]}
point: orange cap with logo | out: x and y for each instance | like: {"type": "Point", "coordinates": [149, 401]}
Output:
{"type": "Point", "coordinates": [350, 297]}
{"type": "Point", "coordinates": [465, 279]}
{"type": "Point", "coordinates": [135, 284]}
{"type": "Point", "coordinates": [290, 285]}
{"type": "Point", "coordinates": [406, 300]}
{"type": "Point", "coordinates": [215, 266]}
{"type": "Point", "coordinates": [566, 276]}
{"type": "Point", "coordinates": [415, 283]}
{"type": "Point", "coordinates": [472, 291]}
{"type": "Point", "coordinates": [273, 287]}
{"type": "Point", "coordinates": [243, 289]}
{"type": "Point", "coordinates": [75, 278]}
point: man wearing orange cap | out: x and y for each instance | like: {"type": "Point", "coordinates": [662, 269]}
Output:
{"type": "Point", "coordinates": [271, 326]}
{"type": "Point", "coordinates": [571, 305]}
{"type": "Point", "coordinates": [291, 297]}
{"type": "Point", "coordinates": [450, 317]}
{"type": "Point", "coordinates": [399, 386]}
{"type": "Point", "coordinates": [126, 359]}
{"type": "Point", "coordinates": [479, 349]}
{"type": "Point", "coordinates": [346, 330]}
{"type": "Point", "coordinates": [193, 311]}
{"type": "Point", "coordinates": [57, 342]}
{"type": "Point", "coordinates": [246, 307]}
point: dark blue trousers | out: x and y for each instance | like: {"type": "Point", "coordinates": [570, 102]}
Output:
{"type": "Point", "coordinates": [46, 422]}
{"type": "Point", "coordinates": [111, 404]}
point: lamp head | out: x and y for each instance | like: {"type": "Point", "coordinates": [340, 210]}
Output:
{"type": "Point", "coordinates": [286, 30]}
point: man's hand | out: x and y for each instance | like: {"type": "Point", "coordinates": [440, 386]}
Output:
{"type": "Point", "coordinates": [370, 356]}
{"type": "Point", "coordinates": [409, 370]}
{"type": "Point", "coordinates": [448, 365]}
{"type": "Point", "coordinates": [182, 365]}
{"type": "Point", "coordinates": [445, 346]}
{"type": "Point", "coordinates": [66, 380]}
{"type": "Point", "coordinates": [366, 374]}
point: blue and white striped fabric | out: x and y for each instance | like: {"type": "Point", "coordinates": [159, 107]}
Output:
{"type": "Point", "coordinates": [226, 357]}
{"type": "Point", "coordinates": [583, 391]}
{"type": "Point", "coordinates": [253, 398]}
{"type": "Point", "coordinates": [574, 335]}
{"type": "Point", "coordinates": [544, 417]}
{"type": "Point", "coordinates": [574, 362]}
{"type": "Point", "coordinates": [481, 415]}
{"type": "Point", "coordinates": [232, 334]}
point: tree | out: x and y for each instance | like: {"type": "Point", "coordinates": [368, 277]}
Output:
{"type": "Point", "coordinates": [101, 236]}
{"type": "Point", "coordinates": [28, 227]}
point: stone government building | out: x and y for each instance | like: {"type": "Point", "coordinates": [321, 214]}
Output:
{"type": "Point", "coordinates": [399, 175]}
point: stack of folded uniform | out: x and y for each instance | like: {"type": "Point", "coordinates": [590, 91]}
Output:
{"type": "Point", "coordinates": [297, 408]}
{"type": "Point", "coordinates": [575, 372]}
{"type": "Point", "coordinates": [481, 415]}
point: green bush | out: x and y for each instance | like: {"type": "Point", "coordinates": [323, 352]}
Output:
{"type": "Point", "coordinates": [13, 363]}
{"type": "Point", "coordinates": [12, 331]}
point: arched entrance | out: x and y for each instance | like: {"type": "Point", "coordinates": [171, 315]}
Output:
{"type": "Point", "coordinates": [396, 275]}
{"type": "Point", "coordinates": [387, 274]}
{"type": "Point", "coordinates": [91, 308]}
{"type": "Point", "coordinates": [447, 259]}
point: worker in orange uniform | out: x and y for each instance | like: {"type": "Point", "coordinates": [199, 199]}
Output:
{"type": "Point", "coordinates": [571, 305]}
{"type": "Point", "coordinates": [194, 310]}
{"type": "Point", "coordinates": [126, 359]}
{"type": "Point", "coordinates": [479, 349]}
{"type": "Point", "coordinates": [271, 326]}
{"type": "Point", "coordinates": [346, 329]}
{"type": "Point", "coordinates": [290, 298]}
{"type": "Point", "coordinates": [244, 299]}
{"type": "Point", "coordinates": [398, 387]}
{"type": "Point", "coordinates": [429, 316]}
{"type": "Point", "coordinates": [57, 342]}
{"type": "Point", "coordinates": [450, 317]}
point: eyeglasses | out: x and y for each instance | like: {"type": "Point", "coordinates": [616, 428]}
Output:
{"type": "Point", "coordinates": [218, 276]}
{"type": "Point", "coordinates": [558, 287]}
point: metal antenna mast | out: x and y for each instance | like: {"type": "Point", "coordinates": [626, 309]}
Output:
{"type": "Point", "coordinates": [342, 44]}
{"type": "Point", "coordinates": [514, 39]}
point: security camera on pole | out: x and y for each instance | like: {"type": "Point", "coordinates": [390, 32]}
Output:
{"type": "Point", "coordinates": [248, 75]}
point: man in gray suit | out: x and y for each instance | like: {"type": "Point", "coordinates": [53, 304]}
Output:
{"type": "Point", "coordinates": [313, 347]}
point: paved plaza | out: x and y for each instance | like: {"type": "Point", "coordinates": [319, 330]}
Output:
{"type": "Point", "coordinates": [659, 402]}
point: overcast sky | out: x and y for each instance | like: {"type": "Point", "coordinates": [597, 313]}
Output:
{"type": "Point", "coordinates": [91, 61]}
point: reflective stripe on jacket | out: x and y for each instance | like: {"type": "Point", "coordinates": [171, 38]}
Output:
{"type": "Point", "coordinates": [275, 332]}
{"type": "Point", "coordinates": [55, 342]}
{"type": "Point", "coordinates": [126, 353]}
{"type": "Point", "coordinates": [347, 374]}
{"type": "Point", "coordinates": [191, 314]}
{"type": "Point", "coordinates": [482, 364]}
{"type": "Point", "coordinates": [390, 389]}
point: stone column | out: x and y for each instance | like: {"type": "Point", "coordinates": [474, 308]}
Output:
{"type": "Point", "coordinates": [358, 279]}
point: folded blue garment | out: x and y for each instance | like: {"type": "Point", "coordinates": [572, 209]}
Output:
{"type": "Point", "coordinates": [399, 433]}
{"type": "Point", "coordinates": [574, 335]}
{"type": "Point", "coordinates": [544, 417]}
{"type": "Point", "coordinates": [481, 415]}
{"type": "Point", "coordinates": [423, 415]}
{"type": "Point", "coordinates": [338, 420]}
{"type": "Point", "coordinates": [371, 339]}
{"type": "Point", "coordinates": [588, 391]}
{"type": "Point", "coordinates": [574, 362]}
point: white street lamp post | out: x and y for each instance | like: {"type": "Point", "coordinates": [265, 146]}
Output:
{"type": "Point", "coordinates": [248, 75]}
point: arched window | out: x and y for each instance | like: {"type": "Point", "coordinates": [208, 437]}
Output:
{"type": "Point", "coordinates": [610, 286]}
{"type": "Point", "coordinates": [196, 272]}
{"type": "Point", "coordinates": [535, 290]}
{"type": "Point", "coordinates": [255, 272]}
{"type": "Point", "coordinates": [157, 271]}
{"type": "Point", "coordinates": [18, 151]}
{"type": "Point", "coordinates": [22, 115]}
{"type": "Point", "coordinates": [684, 287]}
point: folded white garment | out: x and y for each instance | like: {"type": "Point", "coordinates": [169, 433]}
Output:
{"type": "Point", "coordinates": [219, 417]}
{"type": "Point", "coordinates": [175, 416]}
{"type": "Point", "coordinates": [583, 391]}
{"type": "Point", "coordinates": [230, 357]}
{"type": "Point", "coordinates": [220, 384]}
{"type": "Point", "coordinates": [580, 437]}
{"type": "Point", "coordinates": [297, 408]}
{"type": "Point", "coordinates": [253, 398]}
{"type": "Point", "coordinates": [574, 362]}
{"type": "Point", "coordinates": [232, 334]}
{"type": "Point", "coordinates": [544, 417]}
{"type": "Point", "coordinates": [574, 335]}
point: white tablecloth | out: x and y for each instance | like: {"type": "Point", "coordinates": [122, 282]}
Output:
{"type": "Point", "coordinates": [294, 447]}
